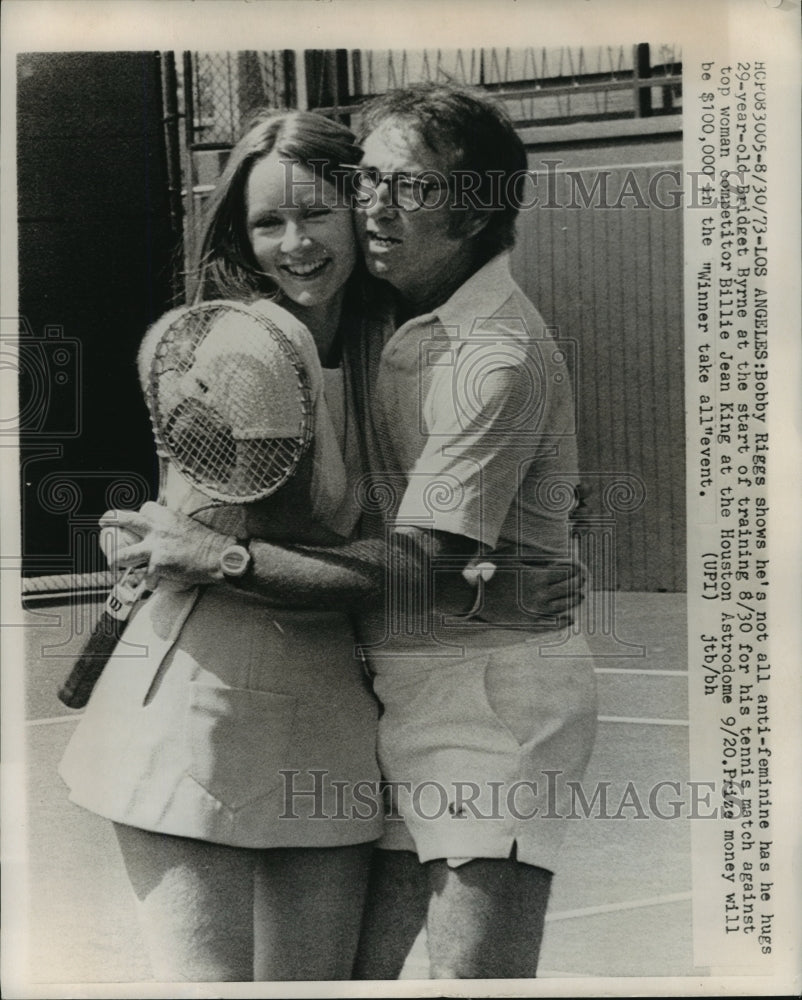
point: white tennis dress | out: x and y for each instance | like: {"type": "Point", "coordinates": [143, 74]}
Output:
{"type": "Point", "coordinates": [222, 718]}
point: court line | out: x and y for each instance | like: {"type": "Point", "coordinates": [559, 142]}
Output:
{"type": "Point", "coordinates": [552, 974]}
{"type": "Point", "coordinates": [632, 904]}
{"type": "Point", "coordinates": [643, 722]}
{"type": "Point", "coordinates": [647, 673]}
{"type": "Point", "coordinates": [56, 719]}
{"type": "Point", "coordinates": [53, 720]}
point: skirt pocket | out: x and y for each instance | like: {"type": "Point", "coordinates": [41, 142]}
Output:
{"type": "Point", "coordinates": [237, 741]}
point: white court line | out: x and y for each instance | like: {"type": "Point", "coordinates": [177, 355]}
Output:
{"type": "Point", "coordinates": [647, 673]}
{"type": "Point", "coordinates": [632, 904]}
{"type": "Point", "coordinates": [53, 720]}
{"type": "Point", "coordinates": [417, 968]}
{"type": "Point", "coordinates": [643, 722]}
{"type": "Point", "coordinates": [56, 719]}
{"type": "Point", "coordinates": [551, 974]}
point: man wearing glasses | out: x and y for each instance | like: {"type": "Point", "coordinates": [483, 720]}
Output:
{"type": "Point", "coordinates": [467, 413]}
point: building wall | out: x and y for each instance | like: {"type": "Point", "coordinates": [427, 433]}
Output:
{"type": "Point", "coordinates": [95, 256]}
{"type": "Point", "coordinates": [610, 279]}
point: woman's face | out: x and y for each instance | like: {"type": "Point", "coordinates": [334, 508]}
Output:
{"type": "Point", "coordinates": [300, 236]}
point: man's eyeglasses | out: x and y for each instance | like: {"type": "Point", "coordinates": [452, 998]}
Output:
{"type": "Point", "coordinates": [407, 192]}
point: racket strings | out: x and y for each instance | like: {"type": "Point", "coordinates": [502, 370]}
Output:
{"type": "Point", "coordinates": [176, 349]}
{"type": "Point", "coordinates": [265, 462]}
{"type": "Point", "coordinates": [230, 401]}
{"type": "Point", "coordinates": [205, 442]}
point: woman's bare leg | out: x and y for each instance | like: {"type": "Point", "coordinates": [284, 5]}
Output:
{"type": "Point", "coordinates": [195, 902]}
{"type": "Point", "coordinates": [309, 904]}
{"type": "Point", "coordinates": [395, 912]}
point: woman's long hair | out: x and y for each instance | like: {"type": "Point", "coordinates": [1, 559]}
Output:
{"type": "Point", "coordinates": [225, 266]}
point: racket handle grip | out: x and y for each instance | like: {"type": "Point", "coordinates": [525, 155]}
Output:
{"type": "Point", "coordinates": [76, 689]}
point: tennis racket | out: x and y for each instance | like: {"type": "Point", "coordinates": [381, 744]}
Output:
{"type": "Point", "coordinates": [230, 404]}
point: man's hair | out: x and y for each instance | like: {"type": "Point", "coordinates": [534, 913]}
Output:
{"type": "Point", "coordinates": [473, 134]}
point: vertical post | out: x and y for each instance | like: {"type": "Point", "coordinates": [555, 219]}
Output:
{"type": "Point", "coordinates": [338, 68]}
{"type": "Point", "coordinates": [356, 69]}
{"type": "Point", "coordinates": [249, 87]}
{"type": "Point", "coordinates": [332, 78]}
{"type": "Point", "coordinates": [290, 74]}
{"type": "Point", "coordinates": [301, 79]}
{"type": "Point", "coordinates": [327, 79]}
{"type": "Point", "coordinates": [173, 150]}
{"type": "Point", "coordinates": [642, 70]}
{"type": "Point", "coordinates": [190, 214]}
{"type": "Point", "coordinates": [312, 79]}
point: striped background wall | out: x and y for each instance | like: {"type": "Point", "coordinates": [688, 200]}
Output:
{"type": "Point", "coordinates": [612, 280]}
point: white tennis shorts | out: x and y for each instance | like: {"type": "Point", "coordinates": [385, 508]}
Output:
{"type": "Point", "coordinates": [478, 749]}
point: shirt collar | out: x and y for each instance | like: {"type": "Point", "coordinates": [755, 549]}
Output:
{"type": "Point", "coordinates": [480, 296]}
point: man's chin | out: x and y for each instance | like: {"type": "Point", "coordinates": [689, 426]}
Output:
{"type": "Point", "coordinates": [376, 266]}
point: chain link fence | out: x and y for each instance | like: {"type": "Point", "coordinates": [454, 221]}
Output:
{"type": "Point", "coordinates": [221, 91]}
{"type": "Point", "coordinates": [536, 84]}
{"type": "Point", "coordinates": [224, 89]}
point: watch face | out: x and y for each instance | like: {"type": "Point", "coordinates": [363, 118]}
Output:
{"type": "Point", "coordinates": [235, 560]}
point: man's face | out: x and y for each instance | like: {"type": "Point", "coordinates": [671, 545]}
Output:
{"type": "Point", "coordinates": [415, 251]}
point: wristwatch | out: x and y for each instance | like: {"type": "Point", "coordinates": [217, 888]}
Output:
{"type": "Point", "coordinates": [236, 560]}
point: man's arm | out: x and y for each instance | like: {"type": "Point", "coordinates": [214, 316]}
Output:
{"type": "Point", "coordinates": [352, 576]}
{"type": "Point", "coordinates": [348, 576]}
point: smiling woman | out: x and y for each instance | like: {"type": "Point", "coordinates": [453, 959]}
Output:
{"type": "Point", "coordinates": [186, 752]}
{"type": "Point", "coordinates": [279, 223]}
{"type": "Point", "coordinates": [302, 236]}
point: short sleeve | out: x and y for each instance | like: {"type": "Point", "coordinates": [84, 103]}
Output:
{"type": "Point", "coordinates": [482, 417]}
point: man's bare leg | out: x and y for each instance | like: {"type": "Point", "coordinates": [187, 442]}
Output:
{"type": "Point", "coordinates": [485, 919]}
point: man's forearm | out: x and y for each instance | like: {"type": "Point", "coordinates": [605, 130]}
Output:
{"type": "Point", "coordinates": [339, 577]}
{"type": "Point", "coordinates": [353, 575]}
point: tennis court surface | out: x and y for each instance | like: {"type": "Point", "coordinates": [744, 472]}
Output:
{"type": "Point", "coordinates": [621, 903]}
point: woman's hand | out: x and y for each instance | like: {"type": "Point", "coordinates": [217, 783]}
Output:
{"type": "Point", "coordinates": [171, 545]}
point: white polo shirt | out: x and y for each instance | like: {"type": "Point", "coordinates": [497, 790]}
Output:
{"type": "Point", "coordinates": [469, 420]}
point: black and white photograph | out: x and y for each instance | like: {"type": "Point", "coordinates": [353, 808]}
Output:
{"type": "Point", "coordinates": [401, 440]}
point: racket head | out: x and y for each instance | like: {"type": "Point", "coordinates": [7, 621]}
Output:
{"type": "Point", "coordinates": [229, 397]}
